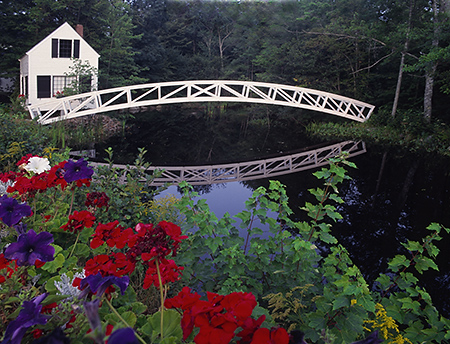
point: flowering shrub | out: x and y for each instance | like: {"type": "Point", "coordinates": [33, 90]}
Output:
{"type": "Point", "coordinates": [68, 256]}
{"type": "Point", "coordinates": [74, 255]}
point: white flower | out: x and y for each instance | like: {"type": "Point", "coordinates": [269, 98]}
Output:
{"type": "Point", "coordinates": [37, 165]}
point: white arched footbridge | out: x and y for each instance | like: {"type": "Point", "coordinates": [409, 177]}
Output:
{"type": "Point", "coordinates": [199, 91]}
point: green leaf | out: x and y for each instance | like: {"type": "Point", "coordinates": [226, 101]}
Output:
{"type": "Point", "coordinates": [384, 281]}
{"type": "Point", "coordinates": [398, 262]}
{"type": "Point", "coordinates": [55, 264]}
{"type": "Point", "coordinates": [128, 316]}
{"type": "Point", "coordinates": [341, 301]}
{"type": "Point", "coordinates": [413, 246]}
{"type": "Point", "coordinates": [171, 325]}
{"type": "Point", "coordinates": [317, 321]}
{"type": "Point", "coordinates": [424, 263]}
{"type": "Point", "coordinates": [327, 238]}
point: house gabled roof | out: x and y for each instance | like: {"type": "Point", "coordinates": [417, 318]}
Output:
{"type": "Point", "coordinates": [55, 34]}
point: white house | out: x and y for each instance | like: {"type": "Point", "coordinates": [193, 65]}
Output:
{"type": "Point", "coordinates": [44, 67]}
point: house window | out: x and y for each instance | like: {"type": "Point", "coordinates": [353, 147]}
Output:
{"type": "Point", "coordinates": [65, 48]}
{"type": "Point", "coordinates": [43, 86]}
{"type": "Point", "coordinates": [62, 82]}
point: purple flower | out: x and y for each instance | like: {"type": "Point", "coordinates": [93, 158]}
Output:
{"type": "Point", "coordinates": [123, 336]}
{"type": "Point", "coordinates": [11, 211]}
{"type": "Point", "coordinates": [77, 170]}
{"type": "Point", "coordinates": [29, 315]}
{"type": "Point", "coordinates": [91, 311]}
{"type": "Point", "coordinates": [31, 246]}
{"type": "Point", "coordinates": [21, 228]}
{"type": "Point", "coordinates": [57, 336]}
{"type": "Point", "coordinates": [98, 284]}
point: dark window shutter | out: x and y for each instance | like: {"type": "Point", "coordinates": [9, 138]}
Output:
{"type": "Point", "coordinates": [43, 87]}
{"type": "Point", "coordinates": [54, 47]}
{"type": "Point", "coordinates": [76, 48]}
{"type": "Point", "coordinates": [26, 86]}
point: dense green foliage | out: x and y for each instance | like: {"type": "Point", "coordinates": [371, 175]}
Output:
{"type": "Point", "coordinates": [351, 47]}
{"type": "Point", "coordinates": [309, 278]}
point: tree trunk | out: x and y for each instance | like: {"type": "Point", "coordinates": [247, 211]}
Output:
{"type": "Point", "coordinates": [431, 69]}
{"type": "Point", "coordinates": [402, 61]}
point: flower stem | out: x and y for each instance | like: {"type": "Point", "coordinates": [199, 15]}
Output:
{"type": "Point", "coordinates": [71, 201]}
{"type": "Point", "coordinates": [161, 295]}
{"type": "Point", "coordinates": [73, 248]}
{"type": "Point", "coordinates": [123, 320]}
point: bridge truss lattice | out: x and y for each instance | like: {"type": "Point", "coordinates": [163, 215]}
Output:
{"type": "Point", "coordinates": [199, 91]}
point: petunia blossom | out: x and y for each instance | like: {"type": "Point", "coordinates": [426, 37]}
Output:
{"type": "Point", "coordinates": [123, 336]}
{"type": "Point", "coordinates": [31, 247]}
{"type": "Point", "coordinates": [37, 165]}
{"type": "Point", "coordinates": [77, 170]}
{"type": "Point", "coordinates": [11, 211]}
{"type": "Point", "coordinates": [98, 284]}
{"type": "Point", "coordinates": [29, 315]}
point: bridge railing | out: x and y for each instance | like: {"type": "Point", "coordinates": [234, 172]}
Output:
{"type": "Point", "coordinates": [199, 91]}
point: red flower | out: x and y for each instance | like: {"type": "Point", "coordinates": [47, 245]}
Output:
{"type": "Point", "coordinates": [273, 336]}
{"type": "Point", "coordinates": [39, 264]}
{"type": "Point", "coordinates": [25, 159]}
{"type": "Point", "coordinates": [249, 326]}
{"type": "Point", "coordinates": [219, 330]}
{"type": "Point", "coordinates": [115, 264]}
{"type": "Point", "coordinates": [79, 220]}
{"type": "Point", "coordinates": [47, 309]}
{"type": "Point", "coordinates": [5, 264]}
{"type": "Point", "coordinates": [155, 241]}
{"type": "Point", "coordinates": [97, 199]}
{"type": "Point", "coordinates": [55, 176]}
{"type": "Point", "coordinates": [112, 234]}
{"type": "Point", "coordinates": [239, 304]}
{"type": "Point", "coordinates": [218, 317]}
{"type": "Point", "coordinates": [170, 272]}
{"type": "Point", "coordinates": [37, 333]}
{"type": "Point", "coordinates": [10, 176]}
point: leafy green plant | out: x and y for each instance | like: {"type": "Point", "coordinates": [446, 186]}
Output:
{"type": "Point", "coordinates": [259, 259]}
{"type": "Point", "coordinates": [308, 278]}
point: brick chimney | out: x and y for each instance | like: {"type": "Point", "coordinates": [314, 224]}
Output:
{"type": "Point", "coordinates": [79, 29]}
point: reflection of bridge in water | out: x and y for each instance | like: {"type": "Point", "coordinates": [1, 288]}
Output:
{"type": "Point", "coordinates": [199, 91]}
{"type": "Point", "coordinates": [250, 170]}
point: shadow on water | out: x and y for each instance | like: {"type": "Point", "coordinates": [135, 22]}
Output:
{"type": "Point", "coordinates": [392, 197]}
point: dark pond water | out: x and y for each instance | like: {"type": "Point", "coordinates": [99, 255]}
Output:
{"type": "Point", "coordinates": [392, 197]}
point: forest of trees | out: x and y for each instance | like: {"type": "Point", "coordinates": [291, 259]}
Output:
{"type": "Point", "coordinates": [392, 53]}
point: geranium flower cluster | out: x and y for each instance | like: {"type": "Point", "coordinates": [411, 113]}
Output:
{"type": "Point", "coordinates": [148, 245]}
{"type": "Point", "coordinates": [220, 316]}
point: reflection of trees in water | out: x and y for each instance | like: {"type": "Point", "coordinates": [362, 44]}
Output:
{"type": "Point", "coordinates": [186, 137]}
